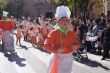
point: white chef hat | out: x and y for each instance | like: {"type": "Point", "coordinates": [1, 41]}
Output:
{"type": "Point", "coordinates": [62, 11]}
{"type": "Point", "coordinates": [5, 13]}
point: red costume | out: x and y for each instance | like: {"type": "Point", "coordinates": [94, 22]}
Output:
{"type": "Point", "coordinates": [53, 41]}
{"type": "Point", "coordinates": [6, 25]}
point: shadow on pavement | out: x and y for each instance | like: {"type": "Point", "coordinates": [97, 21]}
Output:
{"type": "Point", "coordinates": [17, 59]}
{"type": "Point", "coordinates": [39, 48]}
{"type": "Point", "coordinates": [94, 64]}
{"type": "Point", "coordinates": [23, 47]}
{"type": "Point", "coordinates": [14, 58]}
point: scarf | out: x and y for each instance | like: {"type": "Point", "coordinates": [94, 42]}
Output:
{"type": "Point", "coordinates": [65, 31]}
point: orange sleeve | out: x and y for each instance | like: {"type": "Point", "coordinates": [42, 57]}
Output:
{"type": "Point", "coordinates": [48, 44]}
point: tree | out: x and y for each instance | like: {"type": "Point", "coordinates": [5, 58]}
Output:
{"type": "Point", "coordinates": [84, 6]}
{"type": "Point", "coordinates": [3, 4]}
{"type": "Point", "coordinates": [90, 6]}
{"type": "Point", "coordinates": [69, 3]}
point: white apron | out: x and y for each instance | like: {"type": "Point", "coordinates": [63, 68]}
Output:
{"type": "Point", "coordinates": [60, 63]}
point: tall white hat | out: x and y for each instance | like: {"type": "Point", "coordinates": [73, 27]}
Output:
{"type": "Point", "coordinates": [5, 13]}
{"type": "Point", "coordinates": [62, 11]}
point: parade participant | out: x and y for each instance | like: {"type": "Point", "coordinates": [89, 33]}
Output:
{"type": "Point", "coordinates": [29, 23]}
{"type": "Point", "coordinates": [19, 35]}
{"type": "Point", "coordinates": [8, 40]}
{"type": "Point", "coordinates": [50, 25]}
{"type": "Point", "coordinates": [105, 39]}
{"type": "Point", "coordinates": [40, 39]}
{"type": "Point", "coordinates": [44, 27]}
{"type": "Point", "coordinates": [1, 32]}
{"type": "Point", "coordinates": [62, 43]}
{"type": "Point", "coordinates": [25, 29]}
{"type": "Point", "coordinates": [32, 35]}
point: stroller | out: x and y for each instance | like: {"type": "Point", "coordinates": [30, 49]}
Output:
{"type": "Point", "coordinates": [81, 53]}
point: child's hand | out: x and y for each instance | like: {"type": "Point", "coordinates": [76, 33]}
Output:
{"type": "Point", "coordinates": [74, 47]}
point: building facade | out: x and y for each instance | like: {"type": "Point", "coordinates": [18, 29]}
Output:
{"type": "Point", "coordinates": [32, 8]}
{"type": "Point", "coordinates": [38, 7]}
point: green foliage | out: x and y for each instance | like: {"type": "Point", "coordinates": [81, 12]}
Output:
{"type": "Point", "coordinates": [84, 6]}
{"type": "Point", "coordinates": [3, 4]}
{"type": "Point", "coordinates": [69, 3]}
{"type": "Point", "coordinates": [80, 3]}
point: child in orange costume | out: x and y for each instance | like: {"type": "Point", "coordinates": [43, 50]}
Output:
{"type": "Point", "coordinates": [44, 28]}
{"type": "Point", "coordinates": [32, 35]}
{"type": "Point", "coordinates": [19, 35]}
{"type": "Point", "coordinates": [53, 41]}
{"type": "Point", "coordinates": [40, 39]}
{"type": "Point", "coordinates": [62, 42]}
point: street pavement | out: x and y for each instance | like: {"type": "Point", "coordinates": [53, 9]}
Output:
{"type": "Point", "coordinates": [33, 60]}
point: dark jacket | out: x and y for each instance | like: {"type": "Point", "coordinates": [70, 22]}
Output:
{"type": "Point", "coordinates": [105, 38]}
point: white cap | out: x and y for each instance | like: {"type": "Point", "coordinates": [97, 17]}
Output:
{"type": "Point", "coordinates": [62, 11]}
{"type": "Point", "coordinates": [5, 14]}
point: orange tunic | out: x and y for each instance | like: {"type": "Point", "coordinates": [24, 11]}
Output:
{"type": "Point", "coordinates": [53, 41]}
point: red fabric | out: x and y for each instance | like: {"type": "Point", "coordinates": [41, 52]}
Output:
{"type": "Point", "coordinates": [19, 34]}
{"type": "Point", "coordinates": [41, 42]}
{"type": "Point", "coordinates": [1, 32]}
{"type": "Point", "coordinates": [33, 38]}
{"type": "Point", "coordinates": [53, 41]}
{"type": "Point", "coordinates": [54, 65]}
{"type": "Point", "coordinates": [7, 25]}
{"type": "Point", "coordinates": [44, 31]}
{"type": "Point", "coordinates": [1, 24]}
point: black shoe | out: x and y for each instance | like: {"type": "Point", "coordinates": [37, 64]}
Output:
{"type": "Point", "coordinates": [103, 59]}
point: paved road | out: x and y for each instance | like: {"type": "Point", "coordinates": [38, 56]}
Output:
{"type": "Point", "coordinates": [34, 60]}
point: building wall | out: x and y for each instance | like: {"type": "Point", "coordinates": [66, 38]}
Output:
{"type": "Point", "coordinates": [98, 9]}
{"type": "Point", "coordinates": [41, 7]}
{"type": "Point", "coordinates": [37, 7]}
{"type": "Point", "coordinates": [108, 5]}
